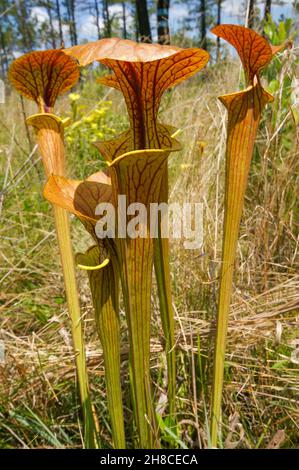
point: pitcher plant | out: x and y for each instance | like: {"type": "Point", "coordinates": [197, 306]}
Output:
{"type": "Point", "coordinates": [244, 110]}
{"type": "Point", "coordinates": [42, 76]}
{"type": "Point", "coordinates": [138, 163]}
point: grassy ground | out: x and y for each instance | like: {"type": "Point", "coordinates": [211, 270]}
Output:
{"type": "Point", "coordinates": [38, 395]}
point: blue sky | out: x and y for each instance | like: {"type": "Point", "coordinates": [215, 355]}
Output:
{"type": "Point", "coordinates": [233, 11]}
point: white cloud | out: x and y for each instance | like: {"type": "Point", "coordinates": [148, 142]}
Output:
{"type": "Point", "coordinates": [115, 9]}
{"type": "Point", "coordinates": [233, 7]}
{"type": "Point", "coordinates": [87, 28]}
{"type": "Point", "coordinates": [177, 13]}
{"type": "Point", "coordinates": [237, 8]}
{"type": "Point", "coordinates": [39, 14]}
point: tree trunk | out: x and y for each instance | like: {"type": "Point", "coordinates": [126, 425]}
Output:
{"type": "Point", "coordinates": [97, 11]}
{"type": "Point", "coordinates": [203, 25]}
{"type": "Point", "coordinates": [135, 22]}
{"type": "Point", "coordinates": [143, 21]}
{"type": "Point", "coordinates": [69, 21]}
{"type": "Point", "coordinates": [59, 23]}
{"type": "Point", "coordinates": [52, 30]}
{"type": "Point", "coordinates": [24, 27]}
{"type": "Point", "coordinates": [163, 22]}
{"type": "Point", "coordinates": [106, 17]}
{"type": "Point", "coordinates": [73, 21]}
{"type": "Point", "coordinates": [124, 20]}
{"type": "Point", "coordinates": [70, 10]}
{"type": "Point", "coordinates": [267, 11]}
{"type": "Point", "coordinates": [218, 23]}
{"type": "Point", "coordinates": [250, 17]}
{"type": "Point", "coordinates": [4, 58]}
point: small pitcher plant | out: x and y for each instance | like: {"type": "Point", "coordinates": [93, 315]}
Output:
{"type": "Point", "coordinates": [81, 198]}
{"type": "Point", "coordinates": [136, 175]}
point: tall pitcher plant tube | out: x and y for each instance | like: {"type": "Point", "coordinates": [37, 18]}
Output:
{"type": "Point", "coordinates": [138, 162]}
{"type": "Point", "coordinates": [81, 198]}
{"type": "Point", "coordinates": [42, 76]}
{"type": "Point", "coordinates": [244, 113]}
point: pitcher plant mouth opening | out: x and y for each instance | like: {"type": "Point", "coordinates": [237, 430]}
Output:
{"type": "Point", "coordinates": [142, 72]}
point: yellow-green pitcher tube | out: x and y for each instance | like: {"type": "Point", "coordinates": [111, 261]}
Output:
{"type": "Point", "coordinates": [244, 110]}
{"type": "Point", "coordinates": [49, 131]}
{"type": "Point", "coordinates": [104, 285]}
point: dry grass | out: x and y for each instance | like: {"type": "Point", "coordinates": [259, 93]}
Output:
{"type": "Point", "coordinates": [38, 403]}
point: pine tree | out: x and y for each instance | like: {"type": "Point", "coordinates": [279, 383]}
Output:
{"type": "Point", "coordinates": [267, 10]}
{"type": "Point", "coordinates": [143, 21]}
{"type": "Point", "coordinates": [59, 18]}
{"type": "Point", "coordinates": [163, 21]}
{"type": "Point", "coordinates": [70, 7]}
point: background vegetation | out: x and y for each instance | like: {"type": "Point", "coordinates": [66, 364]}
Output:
{"type": "Point", "coordinates": [38, 397]}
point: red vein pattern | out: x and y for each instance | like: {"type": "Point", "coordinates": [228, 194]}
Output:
{"type": "Point", "coordinates": [143, 84]}
{"type": "Point", "coordinates": [42, 76]}
{"type": "Point", "coordinates": [139, 175]}
{"type": "Point", "coordinates": [80, 197]}
{"type": "Point", "coordinates": [124, 143]}
{"type": "Point", "coordinates": [111, 149]}
{"type": "Point", "coordinates": [49, 130]}
{"type": "Point", "coordinates": [244, 113]}
{"type": "Point", "coordinates": [255, 52]}
{"type": "Point", "coordinates": [142, 72]}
